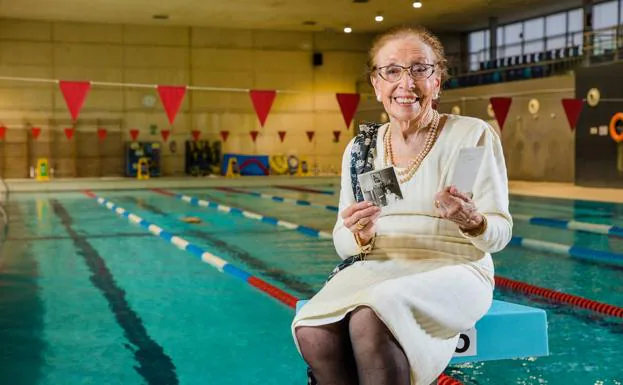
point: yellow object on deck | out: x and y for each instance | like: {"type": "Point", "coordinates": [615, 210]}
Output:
{"type": "Point", "coordinates": [43, 169]}
{"type": "Point", "coordinates": [142, 168]}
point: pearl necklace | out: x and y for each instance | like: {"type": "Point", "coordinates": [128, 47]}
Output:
{"type": "Point", "coordinates": [406, 174]}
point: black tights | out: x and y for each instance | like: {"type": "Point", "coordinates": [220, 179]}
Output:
{"type": "Point", "coordinates": [358, 350]}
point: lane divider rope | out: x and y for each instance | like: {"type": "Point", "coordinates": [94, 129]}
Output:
{"type": "Point", "coordinates": [217, 262]}
{"type": "Point", "coordinates": [557, 248]}
{"type": "Point", "coordinates": [529, 243]}
{"type": "Point", "coordinates": [247, 214]}
{"type": "Point", "coordinates": [306, 189]}
{"type": "Point", "coordinates": [280, 199]}
{"type": "Point", "coordinates": [560, 297]}
{"type": "Point", "coordinates": [572, 225]}
{"type": "Point", "coordinates": [584, 253]}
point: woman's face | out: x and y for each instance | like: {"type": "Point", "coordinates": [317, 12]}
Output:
{"type": "Point", "coordinates": [410, 97]}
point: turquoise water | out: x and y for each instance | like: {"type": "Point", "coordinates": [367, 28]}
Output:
{"type": "Point", "coordinates": [86, 297]}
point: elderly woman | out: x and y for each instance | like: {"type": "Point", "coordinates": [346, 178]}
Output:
{"type": "Point", "coordinates": [419, 272]}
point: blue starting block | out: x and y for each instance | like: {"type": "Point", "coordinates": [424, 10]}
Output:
{"type": "Point", "coordinates": [507, 331]}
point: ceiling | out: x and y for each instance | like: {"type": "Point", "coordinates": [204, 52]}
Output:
{"type": "Point", "coordinates": [439, 15]}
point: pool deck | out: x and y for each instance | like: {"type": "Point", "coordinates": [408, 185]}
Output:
{"type": "Point", "coordinates": [540, 189]}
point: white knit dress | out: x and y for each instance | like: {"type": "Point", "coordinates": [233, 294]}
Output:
{"type": "Point", "coordinates": [425, 279]}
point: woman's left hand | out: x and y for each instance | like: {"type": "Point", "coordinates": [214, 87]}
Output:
{"type": "Point", "coordinates": [459, 208]}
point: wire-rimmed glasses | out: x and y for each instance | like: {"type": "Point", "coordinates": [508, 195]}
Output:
{"type": "Point", "coordinates": [393, 72]}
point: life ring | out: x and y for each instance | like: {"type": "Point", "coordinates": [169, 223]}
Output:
{"type": "Point", "coordinates": [293, 164]}
{"type": "Point", "coordinates": [617, 137]}
{"type": "Point", "coordinates": [278, 164]}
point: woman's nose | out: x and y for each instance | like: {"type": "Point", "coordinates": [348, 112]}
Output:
{"type": "Point", "coordinates": [407, 81]}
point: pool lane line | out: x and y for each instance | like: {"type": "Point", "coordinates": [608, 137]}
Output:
{"type": "Point", "coordinates": [155, 366]}
{"type": "Point", "coordinates": [605, 257]}
{"type": "Point", "coordinates": [205, 256]}
{"type": "Point", "coordinates": [580, 253]}
{"type": "Point", "coordinates": [305, 189]}
{"type": "Point", "coordinates": [215, 261]}
{"type": "Point", "coordinates": [571, 225]}
{"type": "Point", "coordinates": [288, 280]}
{"type": "Point", "coordinates": [560, 297]}
{"type": "Point", "coordinates": [276, 198]}
{"type": "Point", "coordinates": [573, 251]}
{"type": "Point", "coordinates": [247, 214]}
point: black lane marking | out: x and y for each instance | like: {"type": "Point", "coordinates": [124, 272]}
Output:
{"type": "Point", "coordinates": [154, 365]}
{"type": "Point", "coordinates": [279, 275]}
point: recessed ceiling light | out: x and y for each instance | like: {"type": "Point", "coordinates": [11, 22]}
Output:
{"type": "Point", "coordinates": [348, 29]}
{"type": "Point", "coordinates": [417, 4]}
{"type": "Point", "coordinates": [160, 17]}
{"type": "Point", "coordinates": [378, 18]}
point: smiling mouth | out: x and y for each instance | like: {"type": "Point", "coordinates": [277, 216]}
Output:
{"type": "Point", "coordinates": [407, 101]}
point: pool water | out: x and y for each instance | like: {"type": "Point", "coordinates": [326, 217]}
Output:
{"type": "Point", "coordinates": [86, 297]}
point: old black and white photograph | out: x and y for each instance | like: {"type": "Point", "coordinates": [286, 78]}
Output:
{"type": "Point", "coordinates": [380, 186]}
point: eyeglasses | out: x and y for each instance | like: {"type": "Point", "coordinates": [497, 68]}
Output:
{"type": "Point", "coordinates": [393, 73]}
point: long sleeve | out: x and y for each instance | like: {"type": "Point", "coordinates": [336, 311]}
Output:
{"type": "Point", "coordinates": [491, 195]}
{"type": "Point", "coordinates": [343, 238]}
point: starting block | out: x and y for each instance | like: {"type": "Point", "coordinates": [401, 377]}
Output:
{"type": "Point", "coordinates": [507, 331]}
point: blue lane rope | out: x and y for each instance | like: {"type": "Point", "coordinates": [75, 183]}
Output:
{"type": "Point", "coordinates": [205, 256]}
{"type": "Point", "coordinates": [535, 244]}
{"type": "Point", "coordinates": [571, 225]}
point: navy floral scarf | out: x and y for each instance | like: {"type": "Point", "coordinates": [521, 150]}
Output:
{"type": "Point", "coordinates": [362, 155]}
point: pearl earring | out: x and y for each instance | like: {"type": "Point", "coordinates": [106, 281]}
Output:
{"type": "Point", "coordinates": [378, 98]}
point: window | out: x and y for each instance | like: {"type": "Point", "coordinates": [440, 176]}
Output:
{"type": "Point", "coordinates": [513, 34]}
{"type": "Point", "coordinates": [556, 31]}
{"type": "Point", "coordinates": [478, 48]}
{"type": "Point", "coordinates": [500, 41]}
{"type": "Point", "coordinates": [575, 23]}
{"type": "Point", "coordinates": [533, 35]}
{"type": "Point", "coordinates": [605, 15]}
{"type": "Point", "coordinates": [575, 26]}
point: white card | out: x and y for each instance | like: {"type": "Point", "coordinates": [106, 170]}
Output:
{"type": "Point", "coordinates": [466, 168]}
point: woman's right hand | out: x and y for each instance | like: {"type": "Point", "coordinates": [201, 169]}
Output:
{"type": "Point", "coordinates": [361, 218]}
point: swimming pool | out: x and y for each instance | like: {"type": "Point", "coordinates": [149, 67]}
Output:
{"type": "Point", "coordinates": [87, 297]}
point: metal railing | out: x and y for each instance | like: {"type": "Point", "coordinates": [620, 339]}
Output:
{"type": "Point", "coordinates": [596, 46]}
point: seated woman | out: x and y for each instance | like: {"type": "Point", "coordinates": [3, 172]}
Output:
{"type": "Point", "coordinates": [419, 272]}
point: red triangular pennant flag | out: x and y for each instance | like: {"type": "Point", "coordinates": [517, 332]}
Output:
{"type": "Point", "coordinates": [500, 108]}
{"type": "Point", "coordinates": [262, 102]}
{"type": "Point", "coordinates": [165, 134]}
{"type": "Point", "coordinates": [2, 132]}
{"type": "Point", "coordinates": [254, 135]}
{"type": "Point", "coordinates": [196, 134]}
{"type": "Point", "coordinates": [336, 136]}
{"type": "Point", "coordinates": [134, 134]}
{"type": "Point", "coordinates": [171, 97]}
{"type": "Point", "coordinates": [310, 135]}
{"type": "Point", "coordinates": [69, 133]}
{"type": "Point", "coordinates": [572, 107]}
{"type": "Point", "coordinates": [348, 105]}
{"type": "Point", "coordinates": [224, 135]}
{"type": "Point", "coordinates": [282, 135]}
{"type": "Point", "coordinates": [74, 93]}
{"type": "Point", "coordinates": [36, 131]}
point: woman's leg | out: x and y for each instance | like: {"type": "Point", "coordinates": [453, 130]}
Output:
{"type": "Point", "coordinates": [380, 359]}
{"type": "Point", "coordinates": [328, 352]}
